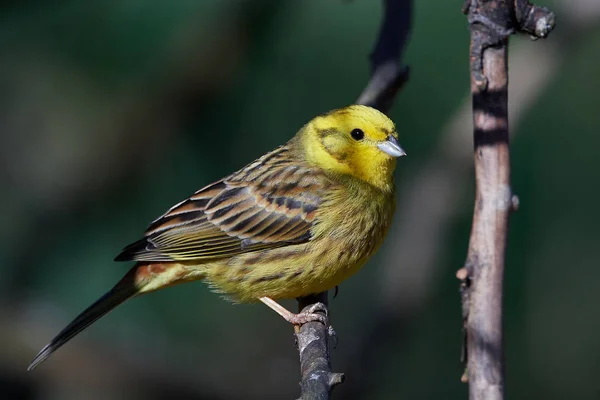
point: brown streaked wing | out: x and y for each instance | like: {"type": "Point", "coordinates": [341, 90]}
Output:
{"type": "Point", "coordinates": [272, 202]}
{"type": "Point", "coordinates": [188, 211]}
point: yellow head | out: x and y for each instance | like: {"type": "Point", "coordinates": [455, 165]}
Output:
{"type": "Point", "coordinates": [356, 140]}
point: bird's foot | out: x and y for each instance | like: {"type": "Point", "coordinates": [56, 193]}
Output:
{"type": "Point", "coordinates": [310, 315]}
{"type": "Point", "coordinates": [316, 312]}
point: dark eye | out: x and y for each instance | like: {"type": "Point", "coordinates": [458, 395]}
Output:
{"type": "Point", "coordinates": [357, 134]}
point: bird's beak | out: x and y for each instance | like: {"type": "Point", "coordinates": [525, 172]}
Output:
{"type": "Point", "coordinates": [391, 147]}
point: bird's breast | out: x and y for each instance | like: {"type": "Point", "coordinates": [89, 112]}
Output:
{"type": "Point", "coordinates": [347, 232]}
{"type": "Point", "coordinates": [350, 230]}
{"type": "Point", "coordinates": [359, 222]}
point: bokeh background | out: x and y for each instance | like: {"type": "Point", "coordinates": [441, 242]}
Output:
{"type": "Point", "coordinates": [111, 111]}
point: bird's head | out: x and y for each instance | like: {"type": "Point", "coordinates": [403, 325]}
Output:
{"type": "Point", "coordinates": [356, 140]}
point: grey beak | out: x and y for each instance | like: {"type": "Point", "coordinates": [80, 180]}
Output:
{"type": "Point", "coordinates": [391, 147]}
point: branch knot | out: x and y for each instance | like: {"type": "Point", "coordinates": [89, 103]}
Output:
{"type": "Point", "coordinates": [535, 20]}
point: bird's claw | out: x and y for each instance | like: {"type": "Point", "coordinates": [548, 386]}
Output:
{"type": "Point", "coordinates": [306, 317]}
{"type": "Point", "coordinates": [317, 307]}
{"type": "Point", "coordinates": [315, 312]}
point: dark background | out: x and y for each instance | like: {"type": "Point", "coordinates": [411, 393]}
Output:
{"type": "Point", "coordinates": [111, 111]}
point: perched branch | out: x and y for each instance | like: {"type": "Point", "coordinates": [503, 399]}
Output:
{"type": "Point", "coordinates": [491, 22]}
{"type": "Point", "coordinates": [315, 367]}
{"type": "Point", "coordinates": [387, 77]}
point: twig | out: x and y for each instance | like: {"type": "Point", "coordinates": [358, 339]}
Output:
{"type": "Point", "coordinates": [315, 366]}
{"type": "Point", "coordinates": [387, 77]}
{"type": "Point", "coordinates": [491, 22]}
{"type": "Point", "coordinates": [388, 74]}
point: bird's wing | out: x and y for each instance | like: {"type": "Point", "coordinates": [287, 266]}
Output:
{"type": "Point", "coordinates": [270, 203]}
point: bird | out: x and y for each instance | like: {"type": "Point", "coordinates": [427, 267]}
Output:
{"type": "Point", "coordinates": [297, 221]}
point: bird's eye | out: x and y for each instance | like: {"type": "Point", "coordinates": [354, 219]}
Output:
{"type": "Point", "coordinates": [357, 134]}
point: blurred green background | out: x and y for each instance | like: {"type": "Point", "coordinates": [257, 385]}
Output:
{"type": "Point", "coordinates": [111, 111]}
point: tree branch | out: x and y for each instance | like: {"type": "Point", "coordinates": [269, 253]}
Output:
{"type": "Point", "coordinates": [313, 346]}
{"type": "Point", "coordinates": [388, 75]}
{"type": "Point", "coordinates": [491, 22]}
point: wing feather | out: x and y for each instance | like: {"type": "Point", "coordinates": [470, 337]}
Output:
{"type": "Point", "coordinates": [272, 202]}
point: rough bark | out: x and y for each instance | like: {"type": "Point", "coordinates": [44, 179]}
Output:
{"type": "Point", "coordinates": [491, 22]}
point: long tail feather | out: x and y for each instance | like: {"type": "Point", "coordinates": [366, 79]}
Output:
{"type": "Point", "coordinates": [102, 306]}
{"type": "Point", "coordinates": [142, 278]}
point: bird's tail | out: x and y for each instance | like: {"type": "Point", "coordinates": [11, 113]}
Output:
{"type": "Point", "coordinates": [142, 278]}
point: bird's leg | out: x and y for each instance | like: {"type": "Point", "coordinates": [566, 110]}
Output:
{"type": "Point", "coordinates": [302, 318]}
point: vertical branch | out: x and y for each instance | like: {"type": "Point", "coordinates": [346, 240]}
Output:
{"type": "Point", "coordinates": [485, 259]}
{"type": "Point", "coordinates": [491, 22]}
{"type": "Point", "coordinates": [388, 75]}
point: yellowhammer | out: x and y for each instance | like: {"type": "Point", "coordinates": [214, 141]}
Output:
{"type": "Point", "coordinates": [297, 221]}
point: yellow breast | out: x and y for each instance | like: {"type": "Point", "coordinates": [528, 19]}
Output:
{"type": "Point", "coordinates": [349, 231]}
